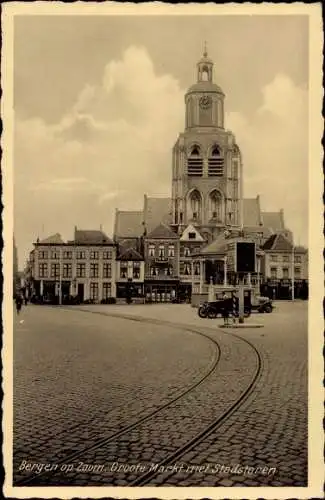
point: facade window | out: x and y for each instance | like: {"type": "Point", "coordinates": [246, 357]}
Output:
{"type": "Point", "coordinates": [195, 205]}
{"type": "Point", "coordinates": [67, 254]}
{"type": "Point", "coordinates": [154, 271]}
{"type": "Point", "coordinates": [285, 272]}
{"type": "Point", "coordinates": [67, 270]}
{"type": "Point", "coordinates": [42, 254]}
{"type": "Point", "coordinates": [55, 270]}
{"type": "Point", "coordinates": [80, 254]}
{"type": "Point", "coordinates": [94, 254]}
{"type": "Point", "coordinates": [216, 163]}
{"type": "Point", "coordinates": [171, 251]}
{"type": "Point", "coordinates": [94, 270]}
{"type": "Point", "coordinates": [123, 270]}
{"type": "Point", "coordinates": [43, 270]}
{"type": "Point", "coordinates": [169, 271]}
{"type": "Point", "coordinates": [191, 236]}
{"type": "Point", "coordinates": [81, 270]}
{"type": "Point", "coordinates": [187, 252]}
{"type": "Point", "coordinates": [273, 258]}
{"type": "Point", "coordinates": [195, 162]}
{"type": "Point", "coordinates": [55, 254]}
{"type": "Point", "coordinates": [107, 290]}
{"type": "Point", "coordinates": [197, 268]}
{"type": "Point", "coordinates": [186, 268]}
{"type": "Point", "coordinates": [94, 291]}
{"type": "Point", "coordinates": [136, 270]}
{"type": "Point", "coordinates": [161, 251]}
{"type": "Point", "coordinates": [215, 205]}
{"type": "Point", "coordinates": [298, 259]}
{"type": "Point", "coordinates": [274, 272]}
{"type": "Point", "coordinates": [297, 272]}
{"type": "Point", "coordinates": [285, 258]}
{"type": "Point", "coordinates": [107, 270]}
{"type": "Point", "coordinates": [151, 250]}
{"type": "Point", "coordinates": [107, 254]}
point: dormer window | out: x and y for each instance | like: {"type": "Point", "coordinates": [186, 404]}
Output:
{"type": "Point", "coordinates": [191, 236]}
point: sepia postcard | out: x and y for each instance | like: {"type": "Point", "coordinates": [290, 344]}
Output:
{"type": "Point", "coordinates": [162, 262]}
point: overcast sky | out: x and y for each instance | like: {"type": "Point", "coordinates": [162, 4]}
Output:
{"type": "Point", "coordinates": [99, 102]}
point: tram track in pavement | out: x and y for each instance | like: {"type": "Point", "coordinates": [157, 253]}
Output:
{"type": "Point", "coordinates": [68, 458]}
{"type": "Point", "coordinates": [179, 451]}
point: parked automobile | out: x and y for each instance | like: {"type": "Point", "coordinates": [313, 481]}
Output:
{"type": "Point", "coordinates": [212, 310]}
{"type": "Point", "coordinates": [262, 304]}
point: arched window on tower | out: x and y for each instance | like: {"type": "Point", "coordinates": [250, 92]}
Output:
{"type": "Point", "coordinates": [215, 206]}
{"type": "Point", "coordinates": [195, 162]}
{"type": "Point", "coordinates": [216, 162]}
{"type": "Point", "coordinates": [205, 74]}
{"type": "Point", "coordinates": [195, 205]}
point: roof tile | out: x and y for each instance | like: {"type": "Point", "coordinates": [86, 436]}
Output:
{"type": "Point", "coordinates": [128, 224]}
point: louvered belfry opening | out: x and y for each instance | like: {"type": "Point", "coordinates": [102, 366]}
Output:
{"type": "Point", "coordinates": [216, 163]}
{"type": "Point", "coordinates": [195, 162]}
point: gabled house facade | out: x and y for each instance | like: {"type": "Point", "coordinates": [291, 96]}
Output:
{"type": "Point", "coordinates": [190, 270]}
{"type": "Point", "coordinates": [284, 265]}
{"type": "Point", "coordinates": [129, 274]}
{"type": "Point", "coordinates": [161, 253]}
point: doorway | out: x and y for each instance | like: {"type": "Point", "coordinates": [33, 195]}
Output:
{"type": "Point", "coordinates": [81, 289]}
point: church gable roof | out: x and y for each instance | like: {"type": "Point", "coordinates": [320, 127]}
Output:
{"type": "Point", "coordinates": [251, 209]}
{"type": "Point", "coordinates": [273, 220]}
{"type": "Point", "coordinates": [54, 239]}
{"type": "Point", "coordinates": [157, 210]}
{"type": "Point", "coordinates": [187, 231]}
{"type": "Point", "coordinates": [162, 232]}
{"type": "Point", "coordinates": [128, 224]}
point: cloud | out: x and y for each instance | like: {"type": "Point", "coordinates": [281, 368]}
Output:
{"type": "Point", "coordinates": [111, 147]}
{"type": "Point", "coordinates": [274, 143]}
{"type": "Point", "coordinates": [115, 144]}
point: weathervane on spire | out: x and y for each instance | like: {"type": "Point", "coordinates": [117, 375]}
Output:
{"type": "Point", "coordinates": [205, 53]}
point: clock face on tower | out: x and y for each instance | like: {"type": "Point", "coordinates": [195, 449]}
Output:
{"type": "Point", "coordinates": [205, 102]}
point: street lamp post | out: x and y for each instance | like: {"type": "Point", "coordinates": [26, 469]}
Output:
{"type": "Point", "coordinates": [225, 271]}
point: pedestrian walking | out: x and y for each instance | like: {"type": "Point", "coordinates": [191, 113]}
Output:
{"type": "Point", "coordinates": [225, 310]}
{"type": "Point", "coordinates": [19, 303]}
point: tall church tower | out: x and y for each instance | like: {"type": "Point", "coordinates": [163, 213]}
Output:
{"type": "Point", "coordinates": [206, 160]}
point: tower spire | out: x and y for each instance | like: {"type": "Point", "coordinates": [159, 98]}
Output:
{"type": "Point", "coordinates": [205, 53]}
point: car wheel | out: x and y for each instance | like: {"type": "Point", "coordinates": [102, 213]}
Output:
{"type": "Point", "coordinates": [268, 309]}
{"type": "Point", "coordinates": [212, 315]}
{"type": "Point", "coordinates": [202, 312]}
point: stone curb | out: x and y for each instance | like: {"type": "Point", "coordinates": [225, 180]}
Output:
{"type": "Point", "coordinates": [244, 325]}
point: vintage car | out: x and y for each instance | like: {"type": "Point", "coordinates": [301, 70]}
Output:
{"type": "Point", "coordinates": [261, 304]}
{"type": "Point", "coordinates": [252, 302]}
{"type": "Point", "coordinates": [212, 310]}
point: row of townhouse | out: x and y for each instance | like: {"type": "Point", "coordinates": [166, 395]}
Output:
{"type": "Point", "coordinates": [159, 266]}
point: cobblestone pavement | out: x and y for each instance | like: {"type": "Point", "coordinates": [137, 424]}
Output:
{"type": "Point", "coordinates": [79, 377]}
{"type": "Point", "coordinates": [269, 431]}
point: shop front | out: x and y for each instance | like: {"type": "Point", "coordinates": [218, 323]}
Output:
{"type": "Point", "coordinates": [161, 292]}
{"type": "Point", "coordinates": [129, 289]}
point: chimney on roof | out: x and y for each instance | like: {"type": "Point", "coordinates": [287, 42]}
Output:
{"type": "Point", "coordinates": [101, 227]}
